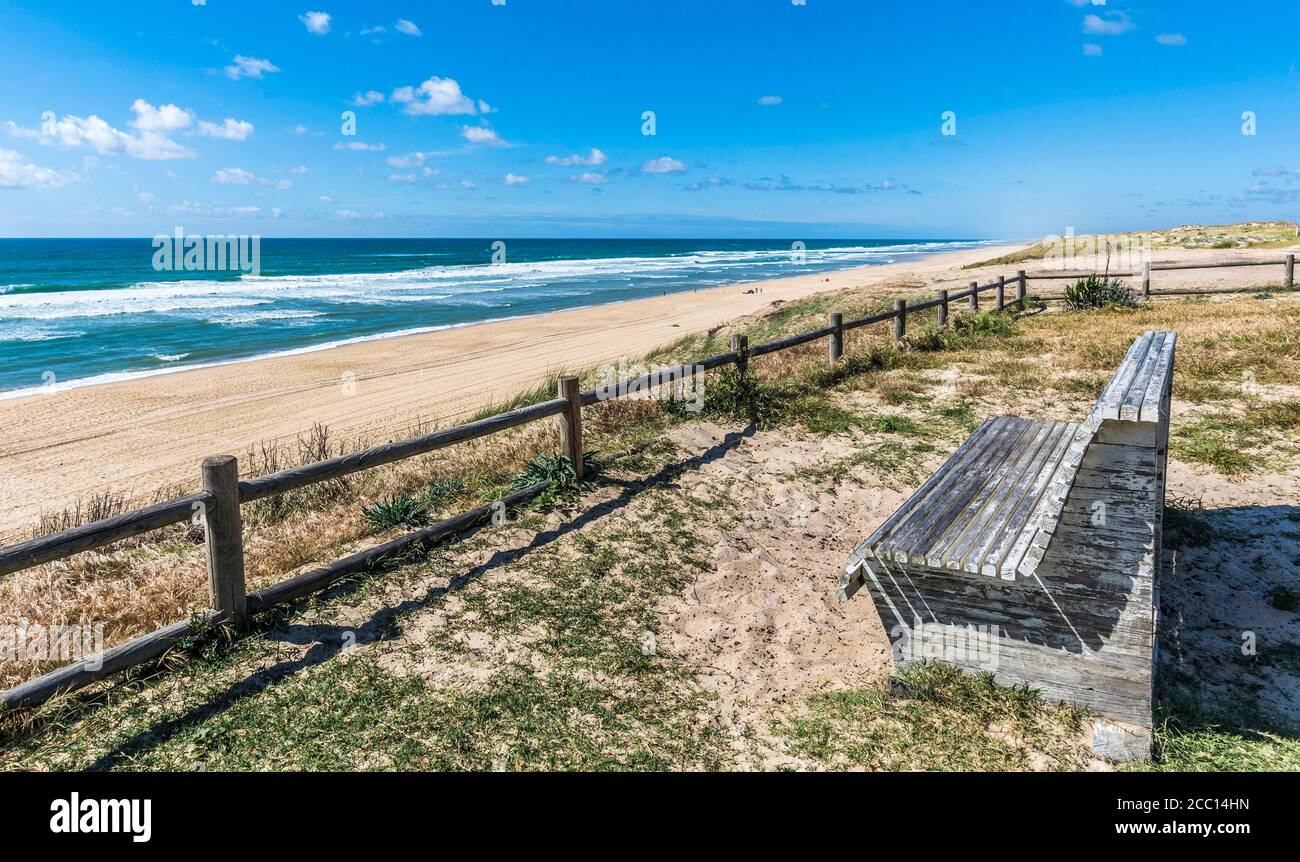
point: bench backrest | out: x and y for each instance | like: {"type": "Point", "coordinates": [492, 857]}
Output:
{"type": "Point", "coordinates": [1139, 391]}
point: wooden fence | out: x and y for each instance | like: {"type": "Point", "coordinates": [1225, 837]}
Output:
{"type": "Point", "coordinates": [218, 504]}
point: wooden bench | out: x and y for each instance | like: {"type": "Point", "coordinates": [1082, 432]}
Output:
{"type": "Point", "coordinates": [1033, 552]}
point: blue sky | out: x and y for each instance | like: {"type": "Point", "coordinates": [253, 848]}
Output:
{"type": "Point", "coordinates": [524, 118]}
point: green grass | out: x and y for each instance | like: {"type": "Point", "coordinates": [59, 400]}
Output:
{"type": "Point", "coordinates": [577, 690]}
{"type": "Point", "coordinates": [1188, 739]}
{"type": "Point", "coordinates": [934, 717]}
{"type": "Point", "coordinates": [1237, 445]}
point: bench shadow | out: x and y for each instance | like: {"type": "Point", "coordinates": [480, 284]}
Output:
{"type": "Point", "coordinates": [1229, 636]}
{"type": "Point", "coordinates": [328, 641]}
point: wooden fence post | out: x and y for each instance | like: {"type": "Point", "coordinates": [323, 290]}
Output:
{"type": "Point", "coordinates": [571, 423]}
{"type": "Point", "coordinates": [223, 531]}
{"type": "Point", "coordinates": [1002, 292]}
{"type": "Point", "coordinates": [1146, 281]}
{"type": "Point", "coordinates": [1022, 288]}
{"type": "Point", "coordinates": [837, 337]}
{"type": "Point", "coordinates": [943, 308]}
{"type": "Point", "coordinates": [974, 296]}
{"type": "Point", "coordinates": [1290, 271]}
{"type": "Point", "coordinates": [900, 320]}
{"type": "Point", "coordinates": [740, 346]}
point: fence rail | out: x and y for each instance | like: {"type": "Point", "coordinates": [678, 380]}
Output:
{"type": "Point", "coordinates": [218, 504]}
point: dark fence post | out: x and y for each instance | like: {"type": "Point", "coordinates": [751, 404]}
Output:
{"type": "Point", "coordinates": [1022, 288]}
{"type": "Point", "coordinates": [571, 422]}
{"type": "Point", "coordinates": [740, 346]}
{"type": "Point", "coordinates": [900, 320]}
{"type": "Point", "coordinates": [223, 531]}
{"type": "Point", "coordinates": [1002, 292]}
{"type": "Point", "coordinates": [943, 308]}
{"type": "Point", "coordinates": [1146, 281]}
{"type": "Point", "coordinates": [1290, 271]}
{"type": "Point", "coordinates": [974, 296]}
{"type": "Point", "coordinates": [836, 320]}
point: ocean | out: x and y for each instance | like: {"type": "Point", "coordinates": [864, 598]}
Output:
{"type": "Point", "coordinates": [81, 311]}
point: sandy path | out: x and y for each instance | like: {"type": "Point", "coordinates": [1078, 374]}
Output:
{"type": "Point", "coordinates": [137, 436]}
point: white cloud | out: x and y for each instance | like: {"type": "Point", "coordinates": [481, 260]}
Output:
{"type": "Point", "coordinates": [1090, 50]}
{"type": "Point", "coordinates": [1176, 40]}
{"type": "Point", "coordinates": [18, 174]}
{"type": "Point", "coordinates": [241, 177]}
{"type": "Point", "coordinates": [414, 176]}
{"type": "Point", "coordinates": [326, 199]}
{"type": "Point", "coordinates": [300, 129]}
{"type": "Point", "coordinates": [407, 27]}
{"type": "Point", "coordinates": [233, 176]}
{"type": "Point", "coordinates": [592, 159]}
{"type": "Point", "coordinates": [360, 147]}
{"type": "Point", "coordinates": [145, 197]}
{"type": "Point", "coordinates": [663, 165]}
{"type": "Point", "coordinates": [1086, 2]}
{"type": "Point", "coordinates": [590, 178]}
{"type": "Point", "coordinates": [165, 119]}
{"type": "Point", "coordinates": [437, 97]}
{"type": "Point", "coordinates": [229, 130]}
{"type": "Point", "coordinates": [1112, 26]}
{"type": "Point", "coordinates": [353, 214]}
{"type": "Point", "coordinates": [104, 139]}
{"type": "Point", "coordinates": [369, 97]}
{"type": "Point", "coordinates": [516, 180]}
{"type": "Point", "coordinates": [769, 100]}
{"type": "Point", "coordinates": [369, 31]}
{"type": "Point", "coordinates": [301, 169]}
{"type": "Point", "coordinates": [249, 67]}
{"type": "Point", "coordinates": [466, 184]}
{"type": "Point", "coordinates": [316, 22]}
{"type": "Point", "coordinates": [481, 135]}
{"type": "Point", "coordinates": [408, 160]}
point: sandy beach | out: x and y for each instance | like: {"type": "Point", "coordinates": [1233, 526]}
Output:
{"type": "Point", "coordinates": [134, 437]}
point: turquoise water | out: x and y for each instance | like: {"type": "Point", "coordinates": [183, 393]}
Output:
{"type": "Point", "coordinates": [74, 312]}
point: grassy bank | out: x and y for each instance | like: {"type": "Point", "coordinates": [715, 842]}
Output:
{"type": "Point", "coordinates": [538, 644]}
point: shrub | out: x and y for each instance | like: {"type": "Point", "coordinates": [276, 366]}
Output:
{"type": "Point", "coordinates": [967, 329]}
{"type": "Point", "coordinates": [737, 395]}
{"type": "Point", "coordinates": [557, 473]}
{"type": "Point", "coordinates": [399, 510]}
{"type": "Point", "coordinates": [1099, 291]}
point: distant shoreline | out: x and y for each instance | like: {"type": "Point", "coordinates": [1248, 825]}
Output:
{"type": "Point", "coordinates": [276, 300]}
{"type": "Point", "coordinates": [137, 436]}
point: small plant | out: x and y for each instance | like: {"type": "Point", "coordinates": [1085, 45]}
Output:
{"type": "Point", "coordinates": [738, 395]}
{"type": "Point", "coordinates": [557, 473]}
{"type": "Point", "coordinates": [887, 423]}
{"type": "Point", "coordinates": [399, 510]}
{"type": "Point", "coordinates": [441, 490]}
{"type": "Point", "coordinates": [966, 330]}
{"type": "Point", "coordinates": [1099, 291]}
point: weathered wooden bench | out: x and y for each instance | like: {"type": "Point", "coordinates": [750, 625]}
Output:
{"type": "Point", "coordinates": [1033, 552]}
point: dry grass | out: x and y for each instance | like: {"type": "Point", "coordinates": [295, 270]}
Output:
{"type": "Point", "coordinates": [1268, 234]}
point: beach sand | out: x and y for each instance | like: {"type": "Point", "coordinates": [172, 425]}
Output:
{"type": "Point", "coordinates": [138, 436]}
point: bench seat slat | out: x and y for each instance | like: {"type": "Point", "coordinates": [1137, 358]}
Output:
{"type": "Point", "coordinates": [915, 537]}
{"type": "Point", "coordinates": [992, 517]}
